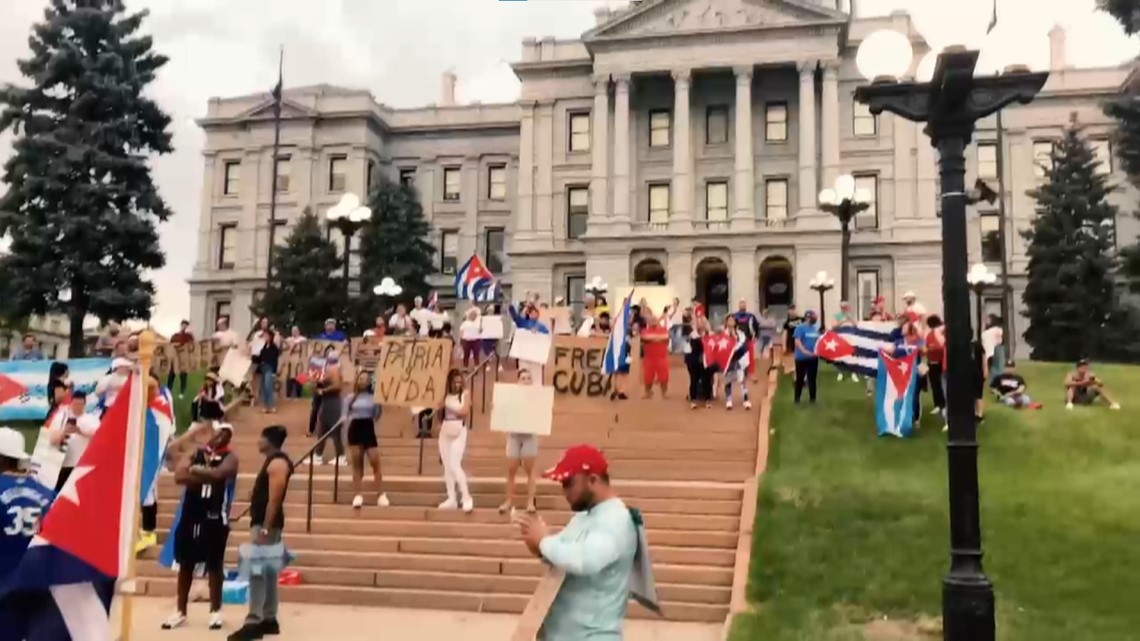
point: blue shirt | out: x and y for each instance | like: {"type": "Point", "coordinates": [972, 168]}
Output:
{"type": "Point", "coordinates": [335, 335]}
{"type": "Point", "coordinates": [20, 354]}
{"type": "Point", "coordinates": [808, 334]}
{"type": "Point", "coordinates": [522, 322]}
{"type": "Point", "coordinates": [596, 549]}
{"type": "Point", "coordinates": [23, 502]}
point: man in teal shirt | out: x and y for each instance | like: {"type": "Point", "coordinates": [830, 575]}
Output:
{"type": "Point", "coordinates": [596, 549]}
{"type": "Point", "coordinates": [807, 364]}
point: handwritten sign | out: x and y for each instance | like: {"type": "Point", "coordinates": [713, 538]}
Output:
{"type": "Point", "coordinates": [576, 366]}
{"type": "Point", "coordinates": [186, 358]}
{"type": "Point", "coordinates": [522, 409]}
{"type": "Point", "coordinates": [235, 367]}
{"type": "Point", "coordinates": [367, 353]}
{"type": "Point", "coordinates": [413, 372]}
{"type": "Point", "coordinates": [556, 319]}
{"type": "Point", "coordinates": [163, 363]}
{"type": "Point", "coordinates": [491, 328]}
{"type": "Point", "coordinates": [531, 347]}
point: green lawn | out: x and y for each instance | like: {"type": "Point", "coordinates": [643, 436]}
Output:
{"type": "Point", "coordinates": [851, 528]}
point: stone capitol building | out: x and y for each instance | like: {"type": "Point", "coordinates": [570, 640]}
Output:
{"type": "Point", "coordinates": [678, 142]}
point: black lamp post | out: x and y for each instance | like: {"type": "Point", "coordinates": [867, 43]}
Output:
{"type": "Point", "coordinates": [845, 203]}
{"type": "Point", "coordinates": [822, 284]}
{"type": "Point", "coordinates": [348, 216]}
{"type": "Point", "coordinates": [951, 103]}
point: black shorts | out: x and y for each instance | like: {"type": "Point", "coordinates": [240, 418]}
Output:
{"type": "Point", "coordinates": [201, 542]}
{"type": "Point", "coordinates": [362, 433]}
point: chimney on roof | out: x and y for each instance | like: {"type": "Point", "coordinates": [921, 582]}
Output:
{"type": "Point", "coordinates": [447, 96]}
{"type": "Point", "coordinates": [601, 15]}
{"type": "Point", "coordinates": [1057, 60]}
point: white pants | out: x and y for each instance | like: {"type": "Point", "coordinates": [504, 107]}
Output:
{"type": "Point", "coordinates": [452, 444]}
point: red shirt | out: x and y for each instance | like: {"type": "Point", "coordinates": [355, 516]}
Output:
{"type": "Point", "coordinates": [655, 342]}
{"type": "Point", "coordinates": [935, 347]}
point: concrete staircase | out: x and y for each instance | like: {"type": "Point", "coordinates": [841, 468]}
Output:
{"type": "Point", "coordinates": [683, 469]}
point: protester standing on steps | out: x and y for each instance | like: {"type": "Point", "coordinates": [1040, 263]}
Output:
{"type": "Point", "coordinates": [256, 341]}
{"type": "Point", "coordinates": [792, 321]}
{"type": "Point", "coordinates": [267, 517]}
{"type": "Point", "coordinates": [182, 337]}
{"type": "Point", "coordinates": [596, 549]}
{"type": "Point", "coordinates": [521, 448]}
{"type": "Point", "coordinates": [767, 336]}
{"type": "Point", "coordinates": [204, 523]}
{"type": "Point", "coordinates": [805, 336]}
{"type": "Point", "coordinates": [329, 417]}
{"type": "Point", "coordinates": [267, 368]}
{"type": "Point", "coordinates": [453, 442]}
{"type": "Point", "coordinates": [362, 412]}
{"type": "Point", "coordinates": [470, 335]}
{"type": "Point", "coordinates": [701, 372]}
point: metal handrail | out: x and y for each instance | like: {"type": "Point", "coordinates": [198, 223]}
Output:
{"type": "Point", "coordinates": [479, 367]}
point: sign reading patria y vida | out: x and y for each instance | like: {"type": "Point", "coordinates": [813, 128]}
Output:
{"type": "Point", "coordinates": [413, 373]}
{"type": "Point", "coordinates": [576, 366]}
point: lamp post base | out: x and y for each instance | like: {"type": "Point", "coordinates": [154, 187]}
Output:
{"type": "Point", "coordinates": [967, 608]}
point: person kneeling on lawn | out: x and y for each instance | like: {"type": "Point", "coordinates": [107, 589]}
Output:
{"type": "Point", "coordinates": [1010, 388]}
{"type": "Point", "coordinates": [1082, 387]}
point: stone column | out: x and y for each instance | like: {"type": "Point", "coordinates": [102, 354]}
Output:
{"type": "Point", "coordinates": [806, 133]}
{"type": "Point", "coordinates": [830, 124]}
{"type": "Point", "coordinates": [524, 217]}
{"type": "Point", "coordinates": [622, 192]}
{"type": "Point", "coordinates": [544, 182]}
{"type": "Point", "coordinates": [744, 215]}
{"type": "Point", "coordinates": [682, 191]}
{"type": "Point", "coordinates": [600, 128]}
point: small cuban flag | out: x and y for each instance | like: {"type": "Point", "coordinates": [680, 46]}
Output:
{"type": "Point", "coordinates": [471, 278]}
{"type": "Point", "coordinates": [617, 347]}
{"type": "Point", "coordinates": [894, 394]}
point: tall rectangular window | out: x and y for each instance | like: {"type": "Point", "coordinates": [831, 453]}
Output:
{"type": "Point", "coordinates": [776, 122]}
{"type": "Point", "coordinates": [991, 237]}
{"type": "Point", "coordinates": [716, 201]}
{"type": "Point", "coordinates": [868, 219]}
{"type": "Point", "coordinates": [222, 309]}
{"type": "Point", "coordinates": [451, 178]}
{"type": "Point", "coordinates": [863, 123]}
{"type": "Point", "coordinates": [227, 245]}
{"type": "Point", "coordinates": [716, 125]}
{"type": "Point", "coordinates": [494, 249]}
{"type": "Point", "coordinates": [232, 182]}
{"type": "Point", "coordinates": [1102, 151]}
{"type": "Point", "coordinates": [576, 292]}
{"type": "Point", "coordinates": [284, 173]}
{"type": "Point", "coordinates": [280, 233]}
{"type": "Point", "coordinates": [659, 203]}
{"type": "Point", "coordinates": [776, 199]}
{"type": "Point", "coordinates": [408, 177]}
{"type": "Point", "coordinates": [369, 174]}
{"type": "Point", "coordinates": [987, 161]}
{"type": "Point", "coordinates": [867, 287]}
{"type": "Point", "coordinates": [579, 132]}
{"type": "Point", "coordinates": [659, 128]}
{"type": "Point", "coordinates": [577, 211]}
{"type": "Point", "coordinates": [337, 178]}
{"type": "Point", "coordinates": [448, 251]}
{"type": "Point", "coordinates": [497, 183]}
{"type": "Point", "coordinates": [1042, 157]}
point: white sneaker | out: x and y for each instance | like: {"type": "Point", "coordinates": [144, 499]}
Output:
{"type": "Point", "coordinates": [747, 405]}
{"type": "Point", "coordinates": [383, 501]}
{"type": "Point", "coordinates": [945, 428]}
{"type": "Point", "coordinates": [840, 377]}
{"type": "Point", "coordinates": [449, 504]}
{"type": "Point", "coordinates": [855, 378]}
{"type": "Point", "coordinates": [728, 404]}
{"type": "Point", "coordinates": [176, 620]}
{"type": "Point", "coordinates": [935, 411]}
{"type": "Point", "coordinates": [343, 461]}
{"type": "Point", "coordinates": [216, 620]}
{"type": "Point", "coordinates": [1114, 406]}
{"type": "Point", "coordinates": [357, 501]}
{"type": "Point", "coordinates": [468, 505]}
{"type": "Point", "coordinates": [1068, 406]}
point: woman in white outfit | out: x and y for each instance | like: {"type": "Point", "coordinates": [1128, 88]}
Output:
{"type": "Point", "coordinates": [453, 442]}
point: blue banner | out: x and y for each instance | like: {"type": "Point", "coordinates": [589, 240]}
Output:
{"type": "Point", "coordinates": [23, 386]}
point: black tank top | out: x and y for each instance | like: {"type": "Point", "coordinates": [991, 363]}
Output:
{"type": "Point", "coordinates": [259, 499]}
{"type": "Point", "coordinates": [208, 501]}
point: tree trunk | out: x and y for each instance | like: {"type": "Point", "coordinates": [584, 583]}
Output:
{"type": "Point", "coordinates": [76, 314]}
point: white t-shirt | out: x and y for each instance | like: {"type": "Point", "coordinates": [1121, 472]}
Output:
{"type": "Point", "coordinates": [423, 317]}
{"type": "Point", "coordinates": [991, 338]}
{"type": "Point", "coordinates": [76, 444]}
{"type": "Point", "coordinates": [917, 308]}
{"type": "Point", "coordinates": [109, 386]}
{"type": "Point", "coordinates": [470, 330]}
{"type": "Point", "coordinates": [398, 323]}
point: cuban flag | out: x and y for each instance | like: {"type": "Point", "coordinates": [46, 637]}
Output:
{"type": "Point", "coordinates": [856, 348]}
{"type": "Point", "coordinates": [894, 394]}
{"type": "Point", "coordinates": [160, 430]}
{"type": "Point", "coordinates": [62, 588]}
{"type": "Point", "coordinates": [433, 300]}
{"type": "Point", "coordinates": [471, 278]}
{"type": "Point", "coordinates": [489, 293]}
{"type": "Point", "coordinates": [617, 347]}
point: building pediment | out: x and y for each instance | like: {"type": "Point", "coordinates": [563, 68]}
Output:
{"type": "Point", "coordinates": [656, 18]}
{"type": "Point", "coordinates": [289, 109]}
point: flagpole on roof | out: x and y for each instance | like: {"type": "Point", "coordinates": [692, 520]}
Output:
{"type": "Point", "coordinates": [278, 90]}
{"type": "Point", "coordinates": [127, 583]}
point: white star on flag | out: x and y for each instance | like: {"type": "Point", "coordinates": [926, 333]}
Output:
{"type": "Point", "coordinates": [902, 367]}
{"type": "Point", "coordinates": [70, 489]}
{"type": "Point", "coordinates": [831, 345]}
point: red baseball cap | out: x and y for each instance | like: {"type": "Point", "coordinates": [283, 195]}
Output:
{"type": "Point", "coordinates": [576, 460]}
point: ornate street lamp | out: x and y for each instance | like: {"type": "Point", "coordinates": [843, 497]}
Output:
{"type": "Point", "coordinates": [387, 290]}
{"type": "Point", "coordinates": [950, 104]}
{"type": "Point", "coordinates": [822, 284]}
{"type": "Point", "coordinates": [348, 216]}
{"type": "Point", "coordinates": [844, 202]}
{"type": "Point", "coordinates": [980, 279]}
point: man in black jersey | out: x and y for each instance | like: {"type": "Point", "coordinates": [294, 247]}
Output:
{"type": "Point", "coordinates": [267, 517]}
{"type": "Point", "coordinates": [208, 475]}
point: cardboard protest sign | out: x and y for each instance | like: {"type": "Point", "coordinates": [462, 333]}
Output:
{"type": "Point", "coordinates": [294, 360]}
{"type": "Point", "coordinates": [211, 353]}
{"type": "Point", "coordinates": [491, 328]}
{"type": "Point", "coordinates": [576, 366]}
{"type": "Point", "coordinates": [539, 605]}
{"type": "Point", "coordinates": [163, 360]}
{"type": "Point", "coordinates": [557, 319]}
{"type": "Point", "coordinates": [235, 367]}
{"type": "Point", "coordinates": [413, 372]}
{"type": "Point", "coordinates": [367, 353]}
{"type": "Point", "coordinates": [522, 409]}
{"type": "Point", "coordinates": [531, 347]}
{"type": "Point", "coordinates": [186, 358]}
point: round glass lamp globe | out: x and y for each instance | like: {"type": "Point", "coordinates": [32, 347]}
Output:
{"type": "Point", "coordinates": [349, 202]}
{"type": "Point", "coordinates": [828, 197]}
{"type": "Point", "coordinates": [360, 214]}
{"type": "Point", "coordinates": [925, 70]}
{"type": "Point", "coordinates": [845, 187]}
{"type": "Point", "coordinates": [884, 55]}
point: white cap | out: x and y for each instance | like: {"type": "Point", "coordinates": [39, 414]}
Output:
{"type": "Point", "coordinates": [121, 362]}
{"type": "Point", "coordinates": [369, 333]}
{"type": "Point", "coordinates": [223, 426]}
{"type": "Point", "coordinates": [909, 294]}
{"type": "Point", "coordinates": [12, 444]}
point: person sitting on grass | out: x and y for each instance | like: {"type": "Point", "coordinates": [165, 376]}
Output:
{"type": "Point", "coordinates": [1082, 387]}
{"type": "Point", "coordinates": [1010, 388]}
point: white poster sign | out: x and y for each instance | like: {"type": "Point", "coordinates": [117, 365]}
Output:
{"type": "Point", "coordinates": [531, 347]}
{"type": "Point", "coordinates": [234, 367]}
{"type": "Point", "coordinates": [491, 328]}
{"type": "Point", "coordinates": [522, 409]}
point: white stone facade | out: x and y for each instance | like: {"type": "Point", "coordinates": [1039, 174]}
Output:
{"type": "Point", "coordinates": [692, 133]}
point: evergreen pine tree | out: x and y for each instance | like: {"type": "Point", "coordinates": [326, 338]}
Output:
{"type": "Point", "coordinates": [1070, 296]}
{"type": "Point", "coordinates": [307, 283]}
{"type": "Point", "coordinates": [1127, 12]}
{"type": "Point", "coordinates": [394, 243]}
{"type": "Point", "coordinates": [81, 206]}
{"type": "Point", "coordinates": [1125, 109]}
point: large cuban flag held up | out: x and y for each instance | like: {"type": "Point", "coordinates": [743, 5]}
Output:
{"type": "Point", "coordinates": [894, 394]}
{"type": "Point", "coordinates": [474, 281]}
{"type": "Point", "coordinates": [617, 347]}
{"type": "Point", "coordinates": [855, 348]}
{"type": "Point", "coordinates": [62, 588]}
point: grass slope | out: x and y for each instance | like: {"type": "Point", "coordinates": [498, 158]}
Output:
{"type": "Point", "coordinates": [851, 527]}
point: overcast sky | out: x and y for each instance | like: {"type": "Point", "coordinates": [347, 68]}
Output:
{"type": "Point", "coordinates": [398, 49]}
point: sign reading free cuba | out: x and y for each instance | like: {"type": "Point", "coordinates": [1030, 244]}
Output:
{"type": "Point", "coordinates": [23, 386]}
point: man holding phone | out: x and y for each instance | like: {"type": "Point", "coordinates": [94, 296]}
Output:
{"type": "Point", "coordinates": [71, 430]}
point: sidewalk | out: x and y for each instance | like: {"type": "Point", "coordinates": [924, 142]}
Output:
{"type": "Point", "coordinates": [305, 622]}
